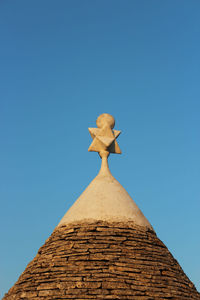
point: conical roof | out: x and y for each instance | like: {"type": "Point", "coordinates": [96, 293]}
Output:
{"type": "Point", "coordinates": [103, 247]}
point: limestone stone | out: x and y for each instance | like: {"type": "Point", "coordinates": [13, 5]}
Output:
{"type": "Point", "coordinates": [132, 273]}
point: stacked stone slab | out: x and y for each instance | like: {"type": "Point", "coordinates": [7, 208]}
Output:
{"type": "Point", "coordinates": [104, 247]}
{"type": "Point", "coordinates": [103, 260]}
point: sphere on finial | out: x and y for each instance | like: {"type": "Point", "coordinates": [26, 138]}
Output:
{"type": "Point", "coordinates": [105, 119]}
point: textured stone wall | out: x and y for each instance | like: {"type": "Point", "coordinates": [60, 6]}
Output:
{"type": "Point", "coordinates": [103, 261]}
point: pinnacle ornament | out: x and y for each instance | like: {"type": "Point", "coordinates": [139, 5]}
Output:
{"type": "Point", "coordinates": [104, 137]}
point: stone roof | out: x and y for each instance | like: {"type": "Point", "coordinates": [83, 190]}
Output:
{"type": "Point", "coordinates": [103, 260]}
{"type": "Point", "coordinates": [104, 247]}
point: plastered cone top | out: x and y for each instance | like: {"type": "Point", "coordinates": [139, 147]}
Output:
{"type": "Point", "coordinates": [105, 199]}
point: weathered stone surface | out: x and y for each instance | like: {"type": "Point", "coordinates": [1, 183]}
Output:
{"type": "Point", "coordinates": [103, 261]}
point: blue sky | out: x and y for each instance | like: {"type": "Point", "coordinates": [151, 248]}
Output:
{"type": "Point", "coordinates": [63, 63]}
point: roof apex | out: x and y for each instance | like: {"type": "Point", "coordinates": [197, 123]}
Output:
{"type": "Point", "coordinates": [105, 199]}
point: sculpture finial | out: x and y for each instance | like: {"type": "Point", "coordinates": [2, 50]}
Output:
{"type": "Point", "coordinates": [104, 137]}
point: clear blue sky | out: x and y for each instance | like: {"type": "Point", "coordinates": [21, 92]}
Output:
{"type": "Point", "coordinates": [62, 63]}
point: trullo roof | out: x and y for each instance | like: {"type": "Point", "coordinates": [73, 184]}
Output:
{"type": "Point", "coordinates": [104, 247]}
